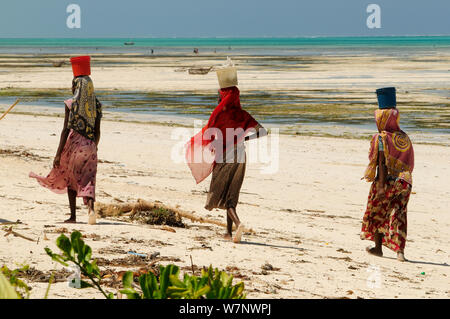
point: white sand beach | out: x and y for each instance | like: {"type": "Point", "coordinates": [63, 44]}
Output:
{"type": "Point", "coordinates": [306, 216]}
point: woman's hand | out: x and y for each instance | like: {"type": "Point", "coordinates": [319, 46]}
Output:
{"type": "Point", "coordinates": [260, 132]}
{"type": "Point", "coordinates": [56, 161]}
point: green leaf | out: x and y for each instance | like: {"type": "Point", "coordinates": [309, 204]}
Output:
{"type": "Point", "coordinates": [182, 295]}
{"type": "Point", "coordinates": [78, 246]}
{"type": "Point", "coordinates": [164, 282]}
{"type": "Point", "coordinates": [173, 289]}
{"type": "Point", "coordinates": [149, 285]}
{"type": "Point", "coordinates": [87, 253]}
{"type": "Point", "coordinates": [177, 292]}
{"type": "Point", "coordinates": [202, 291]}
{"type": "Point", "coordinates": [239, 288]}
{"type": "Point", "coordinates": [49, 284]}
{"type": "Point", "coordinates": [175, 281]}
{"type": "Point", "coordinates": [75, 237]}
{"type": "Point", "coordinates": [127, 279]}
{"type": "Point", "coordinates": [95, 269]}
{"type": "Point", "coordinates": [49, 251]}
{"type": "Point", "coordinates": [88, 267]}
{"type": "Point", "coordinates": [157, 294]}
{"type": "Point", "coordinates": [85, 284]}
{"type": "Point", "coordinates": [6, 290]}
{"type": "Point", "coordinates": [64, 244]}
{"type": "Point", "coordinates": [130, 293]}
{"type": "Point", "coordinates": [58, 258]}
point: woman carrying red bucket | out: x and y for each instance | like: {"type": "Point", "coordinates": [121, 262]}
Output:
{"type": "Point", "coordinates": [75, 164]}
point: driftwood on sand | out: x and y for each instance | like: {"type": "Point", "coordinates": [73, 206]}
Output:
{"type": "Point", "coordinates": [9, 231]}
{"type": "Point", "coordinates": [131, 209]}
{"type": "Point", "coordinates": [9, 109]}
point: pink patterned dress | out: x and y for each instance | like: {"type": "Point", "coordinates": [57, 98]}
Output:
{"type": "Point", "coordinates": [78, 167]}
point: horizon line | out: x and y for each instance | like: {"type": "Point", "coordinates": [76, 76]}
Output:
{"type": "Point", "coordinates": [230, 37]}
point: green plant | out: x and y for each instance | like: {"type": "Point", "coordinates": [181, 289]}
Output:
{"type": "Point", "coordinates": [76, 251]}
{"type": "Point", "coordinates": [222, 285]}
{"type": "Point", "coordinates": [213, 284]}
{"type": "Point", "coordinates": [151, 288]}
{"type": "Point", "coordinates": [191, 287]}
{"type": "Point", "coordinates": [50, 281]}
{"type": "Point", "coordinates": [20, 287]}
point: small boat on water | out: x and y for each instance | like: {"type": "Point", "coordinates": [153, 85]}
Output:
{"type": "Point", "coordinates": [199, 70]}
{"type": "Point", "coordinates": [128, 43]}
{"type": "Point", "coordinates": [58, 64]}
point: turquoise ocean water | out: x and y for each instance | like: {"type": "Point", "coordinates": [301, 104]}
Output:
{"type": "Point", "coordinates": [282, 46]}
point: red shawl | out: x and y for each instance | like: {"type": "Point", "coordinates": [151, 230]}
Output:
{"type": "Point", "coordinates": [398, 149]}
{"type": "Point", "coordinates": [201, 149]}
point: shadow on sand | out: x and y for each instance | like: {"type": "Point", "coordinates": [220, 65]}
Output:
{"type": "Point", "coordinates": [269, 245]}
{"type": "Point", "coordinates": [98, 223]}
{"type": "Point", "coordinates": [6, 222]}
{"type": "Point", "coordinates": [421, 262]}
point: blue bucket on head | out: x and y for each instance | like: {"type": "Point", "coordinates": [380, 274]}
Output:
{"type": "Point", "coordinates": [386, 98]}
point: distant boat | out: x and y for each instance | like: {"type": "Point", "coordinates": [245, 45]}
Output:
{"type": "Point", "coordinates": [58, 64]}
{"type": "Point", "coordinates": [128, 43]}
{"type": "Point", "coordinates": [199, 70]}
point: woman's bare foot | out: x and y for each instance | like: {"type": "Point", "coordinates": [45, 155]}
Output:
{"type": "Point", "coordinates": [238, 235]}
{"type": "Point", "coordinates": [374, 251]}
{"type": "Point", "coordinates": [92, 220]}
{"type": "Point", "coordinates": [227, 236]}
{"type": "Point", "coordinates": [401, 256]}
{"type": "Point", "coordinates": [71, 221]}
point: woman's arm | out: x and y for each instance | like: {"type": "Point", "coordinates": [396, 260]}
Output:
{"type": "Point", "coordinates": [62, 139]}
{"type": "Point", "coordinates": [97, 130]}
{"type": "Point", "coordinates": [98, 119]}
{"type": "Point", "coordinates": [260, 132]}
{"type": "Point", "coordinates": [382, 173]}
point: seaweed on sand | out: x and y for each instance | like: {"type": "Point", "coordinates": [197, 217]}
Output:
{"type": "Point", "coordinates": [158, 216]}
{"type": "Point", "coordinates": [143, 212]}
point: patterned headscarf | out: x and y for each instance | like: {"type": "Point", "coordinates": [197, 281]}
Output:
{"type": "Point", "coordinates": [398, 149]}
{"type": "Point", "coordinates": [85, 108]}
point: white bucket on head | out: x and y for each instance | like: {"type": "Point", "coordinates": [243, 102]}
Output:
{"type": "Point", "coordinates": [227, 75]}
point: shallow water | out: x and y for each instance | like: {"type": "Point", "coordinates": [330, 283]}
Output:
{"type": "Point", "coordinates": [344, 111]}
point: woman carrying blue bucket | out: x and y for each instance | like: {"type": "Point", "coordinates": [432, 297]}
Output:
{"type": "Point", "coordinates": [391, 162]}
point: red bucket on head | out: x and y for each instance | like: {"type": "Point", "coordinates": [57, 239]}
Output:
{"type": "Point", "coordinates": [81, 65]}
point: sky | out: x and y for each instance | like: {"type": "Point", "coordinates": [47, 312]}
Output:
{"type": "Point", "coordinates": [214, 18]}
